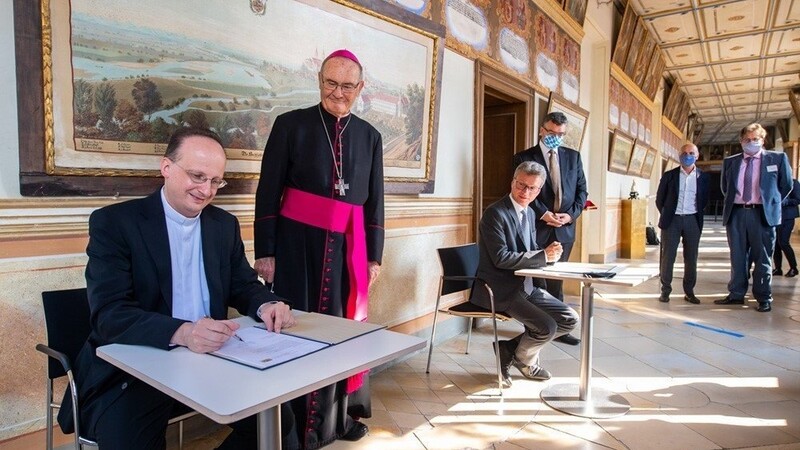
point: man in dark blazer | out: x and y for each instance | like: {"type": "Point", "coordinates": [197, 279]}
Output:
{"type": "Point", "coordinates": [563, 196]}
{"type": "Point", "coordinates": [789, 212]}
{"type": "Point", "coordinates": [507, 243]}
{"type": "Point", "coordinates": [162, 272]}
{"type": "Point", "coordinates": [754, 183]}
{"type": "Point", "coordinates": [682, 196]}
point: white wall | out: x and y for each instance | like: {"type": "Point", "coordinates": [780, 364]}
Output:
{"type": "Point", "coordinates": [454, 154]}
{"type": "Point", "coordinates": [9, 138]}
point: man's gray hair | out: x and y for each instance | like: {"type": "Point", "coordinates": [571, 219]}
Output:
{"type": "Point", "coordinates": [531, 168]}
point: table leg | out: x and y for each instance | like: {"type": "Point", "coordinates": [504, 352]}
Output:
{"type": "Point", "coordinates": [583, 400]}
{"type": "Point", "coordinates": [269, 429]}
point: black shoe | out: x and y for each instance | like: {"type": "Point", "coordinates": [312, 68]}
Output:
{"type": "Point", "coordinates": [778, 272]}
{"type": "Point", "coordinates": [691, 299]}
{"type": "Point", "coordinates": [357, 431]}
{"type": "Point", "coordinates": [792, 272]}
{"type": "Point", "coordinates": [663, 298]}
{"type": "Point", "coordinates": [535, 373]}
{"type": "Point", "coordinates": [568, 339]}
{"type": "Point", "coordinates": [729, 301]}
{"type": "Point", "coordinates": [764, 307]}
{"type": "Point", "coordinates": [506, 357]}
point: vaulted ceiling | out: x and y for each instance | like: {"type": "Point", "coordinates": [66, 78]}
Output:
{"type": "Point", "coordinates": [736, 59]}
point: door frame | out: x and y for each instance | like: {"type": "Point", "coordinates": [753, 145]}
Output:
{"type": "Point", "coordinates": [511, 89]}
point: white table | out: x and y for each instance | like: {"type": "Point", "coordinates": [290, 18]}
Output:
{"type": "Point", "coordinates": [225, 391]}
{"type": "Point", "coordinates": [581, 399]}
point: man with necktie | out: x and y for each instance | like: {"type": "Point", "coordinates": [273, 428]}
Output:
{"type": "Point", "coordinates": [682, 195]}
{"type": "Point", "coordinates": [563, 195]}
{"type": "Point", "coordinates": [754, 183]}
{"type": "Point", "coordinates": [508, 243]}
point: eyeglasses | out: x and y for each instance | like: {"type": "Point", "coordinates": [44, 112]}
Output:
{"type": "Point", "coordinates": [199, 178]}
{"type": "Point", "coordinates": [755, 139]}
{"type": "Point", "coordinates": [524, 187]}
{"type": "Point", "coordinates": [347, 88]}
{"type": "Point", "coordinates": [551, 132]}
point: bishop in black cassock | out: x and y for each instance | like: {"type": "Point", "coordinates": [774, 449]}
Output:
{"type": "Point", "coordinates": [311, 151]}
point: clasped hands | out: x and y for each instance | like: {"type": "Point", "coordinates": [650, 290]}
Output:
{"type": "Point", "coordinates": [208, 335]}
{"type": "Point", "coordinates": [556, 219]}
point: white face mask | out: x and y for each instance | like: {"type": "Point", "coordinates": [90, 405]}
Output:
{"type": "Point", "coordinates": [751, 148]}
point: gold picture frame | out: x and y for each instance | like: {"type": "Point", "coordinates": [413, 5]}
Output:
{"type": "Point", "coordinates": [619, 153]}
{"type": "Point", "coordinates": [638, 155]}
{"type": "Point", "coordinates": [649, 162]}
{"type": "Point", "coordinates": [576, 120]}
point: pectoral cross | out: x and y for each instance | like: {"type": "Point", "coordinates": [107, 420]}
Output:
{"type": "Point", "coordinates": [341, 186]}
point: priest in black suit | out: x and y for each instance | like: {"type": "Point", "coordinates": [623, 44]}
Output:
{"type": "Point", "coordinates": [162, 272]}
{"type": "Point", "coordinates": [563, 196]}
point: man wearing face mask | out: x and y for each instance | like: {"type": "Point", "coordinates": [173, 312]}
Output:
{"type": "Point", "coordinates": [563, 196]}
{"type": "Point", "coordinates": [682, 196]}
{"type": "Point", "coordinates": [754, 183]}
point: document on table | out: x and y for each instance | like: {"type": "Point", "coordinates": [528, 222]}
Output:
{"type": "Point", "coordinates": [263, 349]}
{"type": "Point", "coordinates": [328, 329]}
{"type": "Point", "coordinates": [588, 270]}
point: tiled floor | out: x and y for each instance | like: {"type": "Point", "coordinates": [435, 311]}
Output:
{"type": "Point", "coordinates": [697, 377]}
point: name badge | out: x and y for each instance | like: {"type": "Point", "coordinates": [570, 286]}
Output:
{"type": "Point", "coordinates": [772, 168]}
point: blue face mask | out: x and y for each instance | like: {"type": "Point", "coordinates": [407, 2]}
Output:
{"type": "Point", "coordinates": [751, 148]}
{"type": "Point", "coordinates": [552, 140]}
{"type": "Point", "coordinates": [687, 160]}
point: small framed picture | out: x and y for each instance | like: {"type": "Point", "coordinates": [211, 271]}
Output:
{"type": "Point", "coordinates": [620, 151]}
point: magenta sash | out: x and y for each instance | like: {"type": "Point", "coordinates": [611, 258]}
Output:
{"type": "Point", "coordinates": [340, 217]}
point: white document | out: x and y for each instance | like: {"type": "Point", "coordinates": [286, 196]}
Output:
{"type": "Point", "coordinates": [262, 349]}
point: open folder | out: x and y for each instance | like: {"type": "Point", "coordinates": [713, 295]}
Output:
{"type": "Point", "coordinates": [587, 270]}
{"type": "Point", "coordinates": [256, 347]}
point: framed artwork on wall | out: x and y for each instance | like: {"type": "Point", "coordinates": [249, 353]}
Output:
{"type": "Point", "coordinates": [576, 120]}
{"type": "Point", "coordinates": [649, 162]}
{"type": "Point", "coordinates": [620, 152]}
{"type": "Point", "coordinates": [115, 78]}
{"type": "Point", "coordinates": [638, 156]}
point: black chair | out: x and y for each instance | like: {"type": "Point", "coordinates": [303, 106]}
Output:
{"type": "Point", "coordinates": [459, 269]}
{"type": "Point", "coordinates": [66, 315]}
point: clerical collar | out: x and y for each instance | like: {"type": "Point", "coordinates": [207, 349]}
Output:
{"type": "Point", "coordinates": [174, 215]}
{"type": "Point", "coordinates": [331, 116]}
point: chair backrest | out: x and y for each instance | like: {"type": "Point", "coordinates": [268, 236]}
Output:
{"type": "Point", "coordinates": [458, 261]}
{"type": "Point", "coordinates": [66, 316]}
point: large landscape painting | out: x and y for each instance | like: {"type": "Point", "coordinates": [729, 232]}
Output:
{"type": "Point", "coordinates": [127, 74]}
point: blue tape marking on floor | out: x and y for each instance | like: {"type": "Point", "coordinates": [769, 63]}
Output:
{"type": "Point", "coordinates": [718, 330]}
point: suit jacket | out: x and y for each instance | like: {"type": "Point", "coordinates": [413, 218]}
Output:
{"type": "Point", "coordinates": [573, 193]}
{"type": "Point", "coordinates": [775, 184]}
{"type": "Point", "coordinates": [129, 284]}
{"type": "Point", "coordinates": [668, 191]}
{"type": "Point", "coordinates": [789, 205]}
{"type": "Point", "coordinates": [502, 250]}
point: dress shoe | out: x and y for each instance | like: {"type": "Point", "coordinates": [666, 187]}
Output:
{"type": "Point", "coordinates": [729, 301]}
{"type": "Point", "coordinates": [778, 272]}
{"type": "Point", "coordinates": [764, 307]}
{"type": "Point", "coordinates": [356, 432]}
{"type": "Point", "coordinates": [506, 357]}
{"type": "Point", "coordinates": [535, 372]}
{"type": "Point", "coordinates": [663, 298]}
{"type": "Point", "coordinates": [568, 339]}
{"type": "Point", "coordinates": [691, 299]}
{"type": "Point", "coordinates": [792, 272]}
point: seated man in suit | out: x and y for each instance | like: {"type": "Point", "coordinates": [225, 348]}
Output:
{"type": "Point", "coordinates": [508, 243]}
{"type": "Point", "coordinates": [162, 272]}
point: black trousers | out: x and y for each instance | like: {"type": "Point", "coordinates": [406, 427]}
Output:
{"type": "Point", "coordinates": [784, 232]}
